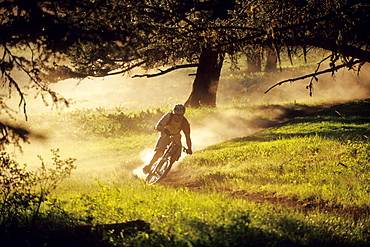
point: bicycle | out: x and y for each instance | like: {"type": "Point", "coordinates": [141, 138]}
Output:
{"type": "Point", "coordinates": [161, 167]}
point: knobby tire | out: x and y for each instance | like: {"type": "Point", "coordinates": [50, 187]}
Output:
{"type": "Point", "coordinates": [159, 171]}
{"type": "Point", "coordinates": [161, 168]}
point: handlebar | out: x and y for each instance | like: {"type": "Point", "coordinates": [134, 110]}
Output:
{"type": "Point", "coordinates": [184, 149]}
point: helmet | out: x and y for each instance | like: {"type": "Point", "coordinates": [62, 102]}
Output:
{"type": "Point", "coordinates": [179, 109]}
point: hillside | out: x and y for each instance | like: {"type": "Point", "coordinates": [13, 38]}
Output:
{"type": "Point", "coordinates": [315, 160]}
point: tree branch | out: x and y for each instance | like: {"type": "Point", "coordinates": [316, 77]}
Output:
{"type": "Point", "coordinates": [331, 45]}
{"type": "Point", "coordinates": [169, 13]}
{"type": "Point", "coordinates": [12, 135]}
{"type": "Point", "coordinates": [162, 72]}
{"type": "Point", "coordinates": [127, 69]}
{"type": "Point", "coordinates": [315, 74]}
{"type": "Point", "coordinates": [328, 44]}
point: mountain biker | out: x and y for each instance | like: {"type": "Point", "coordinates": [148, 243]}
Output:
{"type": "Point", "coordinates": [171, 124]}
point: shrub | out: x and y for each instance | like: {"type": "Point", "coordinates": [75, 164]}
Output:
{"type": "Point", "coordinates": [24, 191]}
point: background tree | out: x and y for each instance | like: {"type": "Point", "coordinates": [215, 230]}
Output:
{"type": "Point", "coordinates": [271, 61]}
{"type": "Point", "coordinates": [335, 26]}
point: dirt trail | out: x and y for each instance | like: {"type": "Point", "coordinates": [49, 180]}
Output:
{"type": "Point", "coordinates": [177, 179]}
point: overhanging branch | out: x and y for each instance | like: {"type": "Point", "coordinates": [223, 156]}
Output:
{"type": "Point", "coordinates": [331, 45]}
{"type": "Point", "coordinates": [127, 69]}
{"type": "Point", "coordinates": [162, 72]}
{"type": "Point", "coordinates": [315, 74]}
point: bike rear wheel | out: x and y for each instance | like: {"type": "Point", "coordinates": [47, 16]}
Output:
{"type": "Point", "coordinates": [159, 171]}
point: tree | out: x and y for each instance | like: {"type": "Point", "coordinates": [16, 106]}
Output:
{"type": "Point", "coordinates": [183, 36]}
{"type": "Point", "coordinates": [206, 81]}
{"type": "Point", "coordinates": [293, 26]}
{"type": "Point", "coordinates": [43, 42]}
{"type": "Point", "coordinates": [271, 61]}
{"type": "Point", "coordinates": [336, 26]}
{"type": "Point", "coordinates": [47, 41]}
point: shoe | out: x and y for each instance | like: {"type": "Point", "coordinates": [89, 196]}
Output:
{"type": "Point", "coordinates": [146, 169]}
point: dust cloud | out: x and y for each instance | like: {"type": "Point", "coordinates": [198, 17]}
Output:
{"type": "Point", "coordinates": [145, 155]}
{"type": "Point", "coordinates": [238, 115]}
{"type": "Point", "coordinates": [226, 124]}
{"type": "Point", "coordinates": [126, 92]}
{"type": "Point", "coordinates": [235, 116]}
{"type": "Point", "coordinates": [343, 86]}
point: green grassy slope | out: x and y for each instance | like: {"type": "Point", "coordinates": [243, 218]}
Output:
{"type": "Point", "coordinates": [322, 158]}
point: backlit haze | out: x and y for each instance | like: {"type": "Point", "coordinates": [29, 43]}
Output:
{"type": "Point", "coordinates": [132, 94]}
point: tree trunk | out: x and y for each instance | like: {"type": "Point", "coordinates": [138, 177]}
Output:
{"type": "Point", "coordinates": [206, 81]}
{"type": "Point", "coordinates": [254, 62]}
{"type": "Point", "coordinates": [271, 62]}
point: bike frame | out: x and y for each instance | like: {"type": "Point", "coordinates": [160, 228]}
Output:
{"type": "Point", "coordinates": [161, 168]}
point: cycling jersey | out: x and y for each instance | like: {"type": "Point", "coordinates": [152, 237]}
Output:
{"type": "Point", "coordinates": [168, 122]}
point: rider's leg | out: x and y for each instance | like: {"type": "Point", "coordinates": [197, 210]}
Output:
{"type": "Point", "coordinates": [156, 156]}
{"type": "Point", "coordinates": [161, 145]}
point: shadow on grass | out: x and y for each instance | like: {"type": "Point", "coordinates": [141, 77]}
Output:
{"type": "Point", "coordinates": [239, 231]}
{"type": "Point", "coordinates": [348, 121]}
{"type": "Point", "coordinates": [288, 232]}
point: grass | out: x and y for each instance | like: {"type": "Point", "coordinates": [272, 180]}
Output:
{"type": "Point", "coordinates": [324, 156]}
{"type": "Point", "coordinates": [310, 173]}
{"type": "Point", "coordinates": [179, 217]}
{"type": "Point", "coordinates": [305, 167]}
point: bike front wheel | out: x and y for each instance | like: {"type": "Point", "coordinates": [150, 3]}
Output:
{"type": "Point", "coordinates": [159, 171]}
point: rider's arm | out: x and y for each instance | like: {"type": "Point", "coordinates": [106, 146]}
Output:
{"type": "Point", "coordinates": [186, 131]}
{"type": "Point", "coordinates": [162, 122]}
{"type": "Point", "coordinates": [188, 143]}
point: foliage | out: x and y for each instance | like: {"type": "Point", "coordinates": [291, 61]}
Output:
{"type": "Point", "coordinates": [12, 135]}
{"type": "Point", "coordinates": [162, 33]}
{"type": "Point", "coordinates": [23, 191]}
{"type": "Point", "coordinates": [42, 41]}
{"type": "Point", "coordinates": [86, 123]}
{"type": "Point", "coordinates": [48, 41]}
